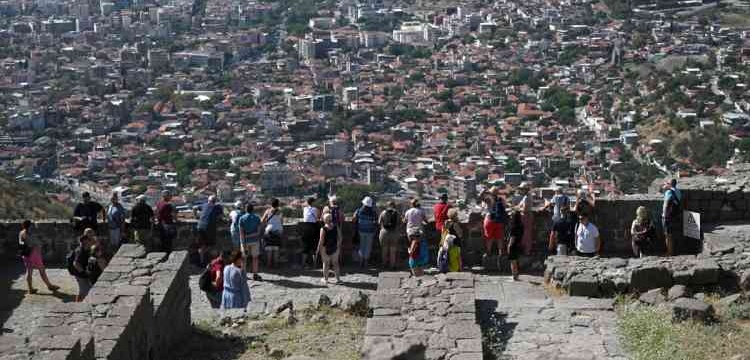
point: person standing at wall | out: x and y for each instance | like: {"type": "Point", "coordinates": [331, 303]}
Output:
{"type": "Point", "coordinates": [389, 222]}
{"type": "Point", "coordinates": [97, 264]}
{"type": "Point", "coordinates": [588, 242]}
{"type": "Point", "coordinates": [452, 227]}
{"type": "Point", "coordinates": [310, 229]}
{"type": "Point", "coordinates": [78, 264]}
{"type": "Point", "coordinates": [250, 232]}
{"type": "Point", "coordinates": [526, 206]}
{"type": "Point", "coordinates": [415, 220]}
{"type": "Point", "coordinates": [31, 252]}
{"type": "Point", "coordinates": [141, 222]}
{"type": "Point", "coordinates": [273, 232]}
{"type": "Point", "coordinates": [642, 232]}
{"type": "Point", "coordinates": [166, 217]}
{"type": "Point", "coordinates": [116, 221]}
{"type": "Point", "coordinates": [558, 203]}
{"type": "Point", "coordinates": [86, 213]}
{"type": "Point", "coordinates": [329, 246]}
{"type": "Point", "coordinates": [670, 212]}
{"type": "Point", "coordinates": [216, 273]}
{"type": "Point", "coordinates": [234, 226]}
{"type": "Point", "coordinates": [366, 220]}
{"type": "Point", "coordinates": [235, 290]}
{"type": "Point", "coordinates": [334, 209]}
{"type": "Point", "coordinates": [209, 216]}
{"type": "Point", "coordinates": [440, 211]}
{"type": "Point", "coordinates": [515, 238]}
{"type": "Point", "coordinates": [563, 234]}
{"type": "Point", "coordinates": [493, 228]}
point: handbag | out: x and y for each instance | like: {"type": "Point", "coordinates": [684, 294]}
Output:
{"type": "Point", "coordinates": [23, 249]}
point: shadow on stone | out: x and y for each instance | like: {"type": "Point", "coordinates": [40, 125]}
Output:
{"type": "Point", "coordinates": [496, 331]}
{"type": "Point", "coordinates": [11, 298]}
{"type": "Point", "coordinates": [204, 344]}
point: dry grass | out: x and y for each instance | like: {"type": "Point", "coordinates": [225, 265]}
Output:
{"type": "Point", "coordinates": [23, 201]}
{"type": "Point", "coordinates": [322, 334]}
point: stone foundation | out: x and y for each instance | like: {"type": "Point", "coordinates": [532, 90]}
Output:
{"type": "Point", "coordinates": [138, 309]}
{"type": "Point", "coordinates": [437, 312]}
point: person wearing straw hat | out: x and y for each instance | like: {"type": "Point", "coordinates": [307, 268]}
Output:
{"type": "Point", "coordinates": [641, 232]}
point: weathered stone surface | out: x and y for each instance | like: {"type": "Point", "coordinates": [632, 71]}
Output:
{"type": "Point", "coordinates": [745, 280]}
{"type": "Point", "coordinates": [385, 326]}
{"type": "Point", "coordinates": [705, 272]}
{"type": "Point", "coordinates": [652, 297]}
{"type": "Point", "coordinates": [583, 285]}
{"type": "Point", "coordinates": [691, 309]}
{"type": "Point", "coordinates": [355, 302]}
{"type": "Point", "coordinates": [650, 277]}
{"type": "Point", "coordinates": [677, 291]}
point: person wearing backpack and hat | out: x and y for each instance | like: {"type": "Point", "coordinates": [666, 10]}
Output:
{"type": "Point", "coordinates": [78, 264]}
{"type": "Point", "coordinates": [670, 211]}
{"type": "Point", "coordinates": [389, 222]}
{"type": "Point", "coordinates": [310, 228]}
{"type": "Point", "coordinates": [366, 219]}
{"type": "Point", "coordinates": [31, 252]}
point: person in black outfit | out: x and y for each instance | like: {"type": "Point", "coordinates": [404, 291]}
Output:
{"type": "Point", "coordinates": [97, 264]}
{"type": "Point", "coordinates": [86, 213]}
{"type": "Point", "coordinates": [80, 265]}
{"type": "Point", "coordinates": [514, 242]}
{"type": "Point", "coordinates": [563, 235]}
{"type": "Point", "coordinates": [142, 222]}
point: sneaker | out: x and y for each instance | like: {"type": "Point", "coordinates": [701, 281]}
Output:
{"type": "Point", "coordinates": [32, 291]}
{"type": "Point", "coordinates": [257, 277]}
{"type": "Point", "coordinates": [53, 288]}
{"type": "Point", "coordinates": [324, 280]}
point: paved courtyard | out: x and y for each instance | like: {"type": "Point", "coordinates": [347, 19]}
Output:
{"type": "Point", "coordinates": [521, 319]}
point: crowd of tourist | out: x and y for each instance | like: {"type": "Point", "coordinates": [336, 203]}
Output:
{"type": "Point", "coordinates": [507, 230]}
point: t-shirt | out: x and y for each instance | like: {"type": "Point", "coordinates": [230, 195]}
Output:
{"type": "Point", "coordinates": [415, 217]}
{"type": "Point", "coordinates": [441, 214]}
{"type": "Point", "coordinates": [310, 214]}
{"type": "Point", "coordinates": [88, 212]}
{"type": "Point", "coordinates": [217, 266]}
{"type": "Point", "coordinates": [116, 216]}
{"type": "Point", "coordinates": [275, 223]}
{"type": "Point", "coordinates": [210, 214]}
{"type": "Point", "coordinates": [389, 219]}
{"type": "Point", "coordinates": [235, 216]}
{"type": "Point", "coordinates": [586, 238]}
{"type": "Point", "coordinates": [330, 239]}
{"type": "Point", "coordinates": [565, 228]}
{"type": "Point", "coordinates": [366, 220]}
{"type": "Point", "coordinates": [249, 224]}
{"type": "Point", "coordinates": [141, 215]}
{"type": "Point", "coordinates": [559, 202]}
{"type": "Point", "coordinates": [497, 211]}
{"type": "Point", "coordinates": [164, 211]}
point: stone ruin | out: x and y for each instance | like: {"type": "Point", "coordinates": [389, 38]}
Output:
{"type": "Point", "coordinates": [432, 317]}
{"type": "Point", "coordinates": [137, 310]}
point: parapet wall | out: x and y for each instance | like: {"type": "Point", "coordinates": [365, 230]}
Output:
{"type": "Point", "coordinates": [612, 216]}
{"type": "Point", "coordinates": [138, 310]}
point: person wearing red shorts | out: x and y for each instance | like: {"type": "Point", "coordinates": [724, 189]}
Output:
{"type": "Point", "coordinates": [493, 229]}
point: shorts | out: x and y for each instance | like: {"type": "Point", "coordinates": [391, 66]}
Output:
{"type": "Point", "coordinates": [272, 239]}
{"type": "Point", "coordinates": [389, 239]}
{"type": "Point", "coordinates": [252, 248]}
{"type": "Point", "coordinates": [562, 249]}
{"type": "Point", "coordinates": [310, 237]}
{"type": "Point", "coordinates": [143, 237]}
{"type": "Point", "coordinates": [668, 225]}
{"type": "Point", "coordinates": [270, 248]}
{"type": "Point", "coordinates": [416, 263]}
{"type": "Point", "coordinates": [115, 238]}
{"type": "Point", "coordinates": [515, 251]}
{"type": "Point", "coordinates": [493, 230]}
{"type": "Point", "coordinates": [206, 237]}
{"type": "Point", "coordinates": [586, 255]}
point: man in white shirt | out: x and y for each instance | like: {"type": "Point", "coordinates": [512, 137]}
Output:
{"type": "Point", "coordinates": [588, 243]}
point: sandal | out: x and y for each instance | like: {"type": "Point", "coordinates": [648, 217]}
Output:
{"type": "Point", "coordinates": [32, 291]}
{"type": "Point", "coordinates": [53, 288]}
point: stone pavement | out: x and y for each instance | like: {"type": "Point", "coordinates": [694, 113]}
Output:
{"type": "Point", "coordinates": [301, 286]}
{"type": "Point", "coordinates": [19, 312]}
{"type": "Point", "coordinates": [524, 322]}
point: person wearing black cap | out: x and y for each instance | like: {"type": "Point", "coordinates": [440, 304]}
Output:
{"type": "Point", "coordinates": [86, 213]}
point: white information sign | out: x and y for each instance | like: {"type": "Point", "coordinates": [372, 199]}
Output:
{"type": "Point", "coordinates": [691, 224]}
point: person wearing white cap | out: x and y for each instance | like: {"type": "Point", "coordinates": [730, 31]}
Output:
{"type": "Point", "coordinates": [366, 220]}
{"type": "Point", "coordinates": [142, 221]}
{"type": "Point", "coordinates": [209, 215]}
{"type": "Point", "coordinates": [234, 218]}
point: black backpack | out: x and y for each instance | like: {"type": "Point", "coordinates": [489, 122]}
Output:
{"type": "Point", "coordinates": [673, 208]}
{"type": "Point", "coordinates": [70, 259]}
{"type": "Point", "coordinates": [390, 220]}
{"type": "Point", "coordinates": [23, 248]}
{"type": "Point", "coordinates": [204, 281]}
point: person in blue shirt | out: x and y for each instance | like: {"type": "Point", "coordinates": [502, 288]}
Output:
{"type": "Point", "coordinates": [366, 218]}
{"type": "Point", "coordinates": [670, 210]}
{"type": "Point", "coordinates": [250, 232]}
{"type": "Point", "coordinates": [209, 216]}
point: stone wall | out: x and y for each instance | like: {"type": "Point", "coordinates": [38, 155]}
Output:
{"type": "Point", "coordinates": [138, 309]}
{"type": "Point", "coordinates": [436, 312]}
{"type": "Point", "coordinates": [612, 216]}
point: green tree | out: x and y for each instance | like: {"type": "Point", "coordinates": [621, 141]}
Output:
{"type": "Point", "coordinates": [512, 165]}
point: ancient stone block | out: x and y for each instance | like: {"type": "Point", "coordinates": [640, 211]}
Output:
{"type": "Point", "coordinates": [677, 291]}
{"type": "Point", "coordinates": [463, 330]}
{"type": "Point", "coordinates": [650, 277]}
{"type": "Point", "coordinates": [682, 277]}
{"type": "Point", "coordinates": [385, 326]}
{"type": "Point", "coordinates": [583, 285]}
{"type": "Point", "coordinates": [691, 309]}
{"type": "Point", "coordinates": [705, 272]}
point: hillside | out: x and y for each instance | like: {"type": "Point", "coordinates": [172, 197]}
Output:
{"type": "Point", "coordinates": [24, 201]}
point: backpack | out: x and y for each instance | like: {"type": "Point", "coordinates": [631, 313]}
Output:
{"type": "Point", "coordinates": [390, 220]}
{"type": "Point", "coordinates": [204, 281]}
{"type": "Point", "coordinates": [23, 248]}
{"type": "Point", "coordinates": [674, 205]}
{"type": "Point", "coordinates": [70, 259]}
